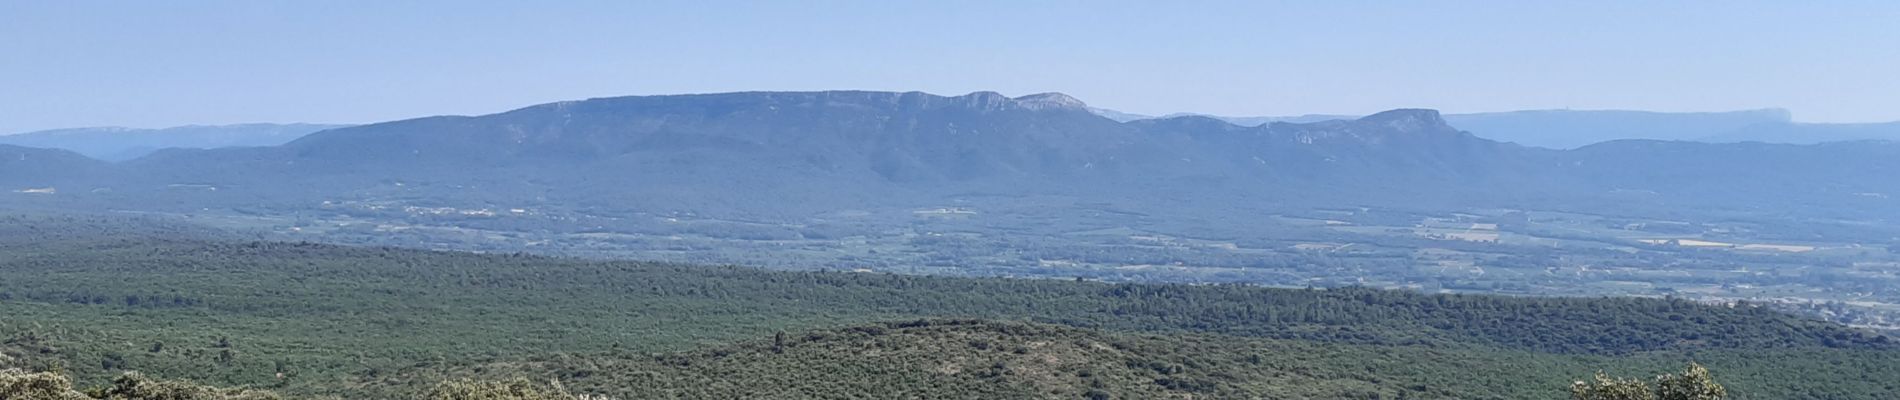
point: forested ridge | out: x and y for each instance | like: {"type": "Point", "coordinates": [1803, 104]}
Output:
{"type": "Point", "coordinates": [981, 359]}
{"type": "Point", "coordinates": [96, 300]}
{"type": "Point", "coordinates": [280, 275]}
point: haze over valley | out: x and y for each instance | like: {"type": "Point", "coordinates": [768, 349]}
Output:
{"type": "Point", "coordinates": [1039, 186]}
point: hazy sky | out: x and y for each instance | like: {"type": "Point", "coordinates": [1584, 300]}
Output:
{"type": "Point", "coordinates": [164, 63]}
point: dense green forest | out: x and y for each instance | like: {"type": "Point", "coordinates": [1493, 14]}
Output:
{"type": "Point", "coordinates": [97, 297]}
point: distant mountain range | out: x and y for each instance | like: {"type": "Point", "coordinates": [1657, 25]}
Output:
{"type": "Point", "coordinates": [1568, 129]}
{"type": "Point", "coordinates": [1557, 129]}
{"type": "Point", "coordinates": [1806, 133]}
{"type": "Point", "coordinates": [24, 169]}
{"type": "Point", "coordinates": [118, 144]}
{"type": "Point", "coordinates": [799, 153]}
{"type": "Point", "coordinates": [1242, 121]}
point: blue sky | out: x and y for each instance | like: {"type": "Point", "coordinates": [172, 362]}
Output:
{"type": "Point", "coordinates": [153, 64]}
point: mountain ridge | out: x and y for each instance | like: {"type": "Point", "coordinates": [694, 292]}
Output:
{"type": "Point", "coordinates": [1569, 129]}
{"type": "Point", "coordinates": [816, 151]}
{"type": "Point", "coordinates": [121, 143]}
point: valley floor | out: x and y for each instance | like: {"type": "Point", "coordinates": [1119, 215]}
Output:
{"type": "Point", "coordinates": [96, 298]}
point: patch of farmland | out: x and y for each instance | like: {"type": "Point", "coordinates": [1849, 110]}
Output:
{"type": "Point", "coordinates": [1777, 247]}
{"type": "Point", "coordinates": [1687, 242]}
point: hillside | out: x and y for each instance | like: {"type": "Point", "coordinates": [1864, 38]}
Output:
{"type": "Point", "coordinates": [95, 301]}
{"type": "Point", "coordinates": [796, 154]}
{"type": "Point", "coordinates": [937, 358]}
{"type": "Point", "coordinates": [120, 144]}
{"type": "Point", "coordinates": [1569, 129]}
{"type": "Point", "coordinates": [27, 168]}
{"type": "Point", "coordinates": [1810, 133]}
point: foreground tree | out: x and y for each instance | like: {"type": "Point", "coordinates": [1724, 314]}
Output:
{"type": "Point", "coordinates": [1608, 388]}
{"type": "Point", "coordinates": [20, 385]}
{"type": "Point", "coordinates": [1695, 383]}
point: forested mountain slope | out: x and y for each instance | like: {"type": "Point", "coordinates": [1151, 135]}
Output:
{"type": "Point", "coordinates": [119, 144]}
{"type": "Point", "coordinates": [794, 154]}
{"type": "Point", "coordinates": [27, 168]}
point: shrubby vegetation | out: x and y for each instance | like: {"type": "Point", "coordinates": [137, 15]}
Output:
{"type": "Point", "coordinates": [1695, 383]}
{"type": "Point", "coordinates": [308, 319]}
{"type": "Point", "coordinates": [17, 384]}
{"type": "Point", "coordinates": [939, 358]}
{"type": "Point", "coordinates": [1011, 360]}
{"type": "Point", "coordinates": [514, 389]}
{"type": "Point", "coordinates": [954, 359]}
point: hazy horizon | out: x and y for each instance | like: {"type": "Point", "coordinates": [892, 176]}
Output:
{"type": "Point", "coordinates": [153, 65]}
{"type": "Point", "coordinates": [1796, 118]}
